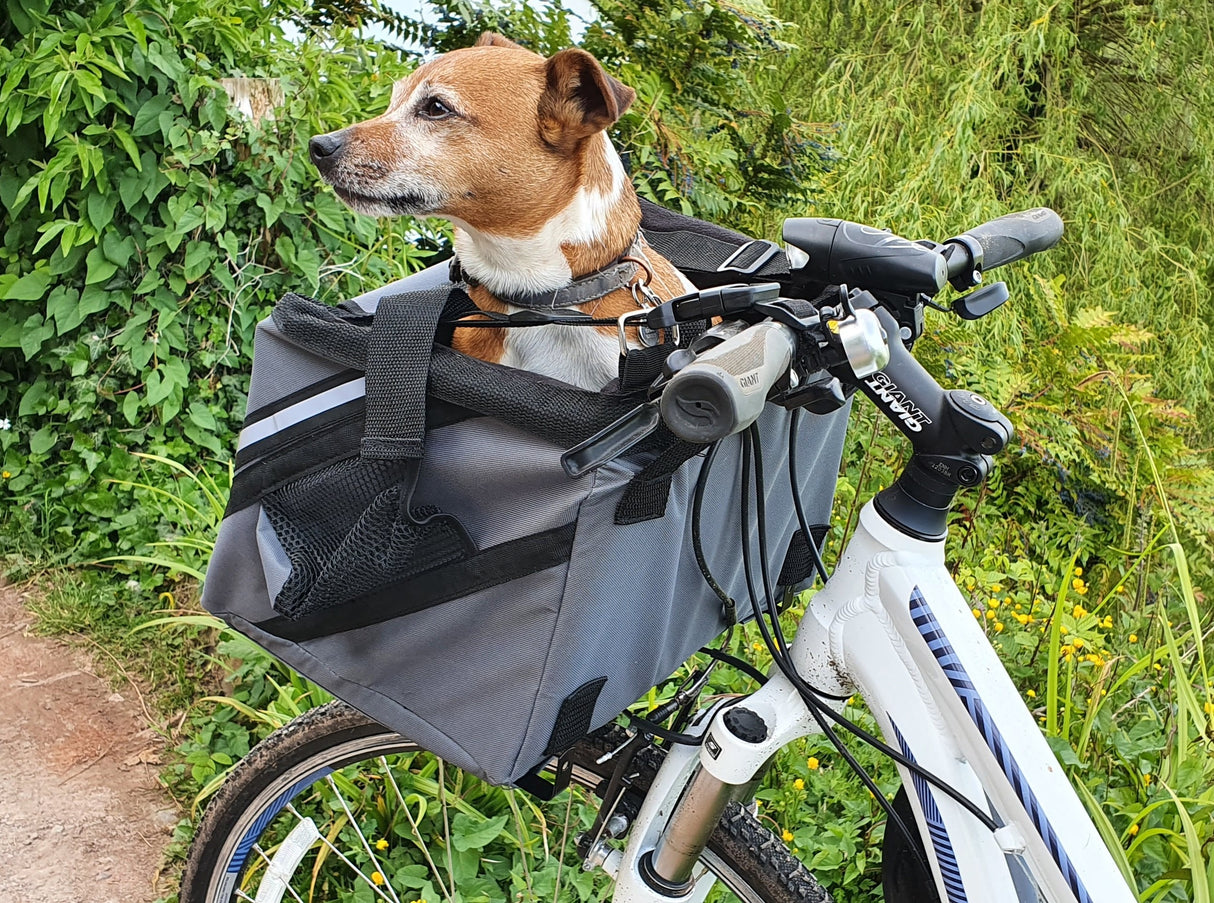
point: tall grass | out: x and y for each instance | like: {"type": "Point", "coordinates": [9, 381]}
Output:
{"type": "Point", "coordinates": [949, 113]}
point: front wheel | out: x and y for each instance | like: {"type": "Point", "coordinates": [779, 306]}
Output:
{"type": "Point", "coordinates": [335, 807]}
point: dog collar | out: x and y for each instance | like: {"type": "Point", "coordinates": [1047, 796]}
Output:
{"type": "Point", "coordinates": [582, 290]}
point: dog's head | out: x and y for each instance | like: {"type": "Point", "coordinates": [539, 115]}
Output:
{"type": "Point", "coordinates": [493, 136]}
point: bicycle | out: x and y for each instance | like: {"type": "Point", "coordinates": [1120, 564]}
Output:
{"type": "Point", "coordinates": [985, 811]}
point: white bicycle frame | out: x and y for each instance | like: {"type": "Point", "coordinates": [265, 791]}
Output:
{"type": "Point", "coordinates": [891, 625]}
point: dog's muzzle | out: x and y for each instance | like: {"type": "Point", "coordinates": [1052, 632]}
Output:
{"type": "Point", "coordinates": [327, 150]}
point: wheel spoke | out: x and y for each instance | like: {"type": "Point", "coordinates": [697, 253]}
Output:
{"type": "Point", "coordinates": [363, 840]}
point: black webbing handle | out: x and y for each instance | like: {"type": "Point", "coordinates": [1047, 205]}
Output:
{"type": "Point", "coordinates": [398, 366]}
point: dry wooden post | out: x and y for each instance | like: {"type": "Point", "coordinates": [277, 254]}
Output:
{"type": "Point", "coordinates": [254, 97]}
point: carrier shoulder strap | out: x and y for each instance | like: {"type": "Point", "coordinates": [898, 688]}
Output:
{"type": "Point", "coordinates": [394, 353]}
{"type": "Point", "coordinates": [711, 255]}
{"type": "Point", "coordinates": [398, 365]}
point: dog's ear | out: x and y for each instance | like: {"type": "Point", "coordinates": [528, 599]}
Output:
{"type": "Point", "coordinates": [492, 39]}
{"type": "Point", "coordinates": [579, 99]}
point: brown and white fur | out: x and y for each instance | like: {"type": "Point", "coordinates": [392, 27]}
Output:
{"type": "Point", "coordinates": [512, 149]}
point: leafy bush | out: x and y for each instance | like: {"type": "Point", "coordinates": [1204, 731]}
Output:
{"type": "Point", "coordinates": [147, 227]}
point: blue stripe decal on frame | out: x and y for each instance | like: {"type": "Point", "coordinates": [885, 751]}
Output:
{"type": "Point", "coordinates": [945, 857]}
{"type": "Point", "coordinates": [943, 650]}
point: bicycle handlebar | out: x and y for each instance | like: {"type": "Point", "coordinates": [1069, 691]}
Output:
{"type": "Point", "coordinates": [838, 251]}
{"type": "Point", "coordinates": [724, 389]}
{"type": "Point", "coordinates": [1013, 237]}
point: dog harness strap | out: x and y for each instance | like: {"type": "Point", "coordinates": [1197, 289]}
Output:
{"type": "Point", "coordinates": [398, 366]}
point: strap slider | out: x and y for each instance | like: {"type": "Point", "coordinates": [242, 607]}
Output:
{"type": "Point", "coordinates": [767, 250]}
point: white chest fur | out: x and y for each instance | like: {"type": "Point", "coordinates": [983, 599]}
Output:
{"type": "Point", "coordinates": [580, 355]}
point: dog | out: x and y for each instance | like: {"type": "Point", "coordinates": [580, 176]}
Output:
{"type": "Point", "coordinates": [512, 149]}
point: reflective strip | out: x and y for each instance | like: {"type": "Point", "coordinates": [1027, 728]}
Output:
{"type": "Point", "coordinates": [301, 411]}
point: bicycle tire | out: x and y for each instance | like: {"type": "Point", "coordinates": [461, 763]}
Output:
{"type": "Point", "coordinates": [746, 857]}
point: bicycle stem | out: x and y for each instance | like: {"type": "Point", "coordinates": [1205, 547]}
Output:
{"type": "Point", "coordinates": [953, 433]}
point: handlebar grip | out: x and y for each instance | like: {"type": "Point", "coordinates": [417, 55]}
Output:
{"type": "Point", "coordinates": [1016, 236]}
{"type": "Point", "coordinates": [724, 389]}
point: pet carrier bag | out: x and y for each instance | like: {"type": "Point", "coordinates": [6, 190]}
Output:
{"type": "Point", "coordinates": [474, 597]}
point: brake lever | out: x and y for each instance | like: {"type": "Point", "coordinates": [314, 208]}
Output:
{"type": "Point", "coordinates": [613, 440]}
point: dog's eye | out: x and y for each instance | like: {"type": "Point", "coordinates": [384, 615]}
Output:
{"type": "Point", "coordinates": [436, 109]}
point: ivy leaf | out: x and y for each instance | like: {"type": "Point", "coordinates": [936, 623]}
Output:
{"type": "Point", "coordinates": [30, 287]}
{"type": "Point", "coordinates": [43, 440]}
{"type": "Point", "coordinates": [147, 117]}
{"type": "Point", "coordinates": [130, 407]}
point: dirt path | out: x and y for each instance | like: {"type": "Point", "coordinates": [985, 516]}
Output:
{"type": "Point", "coordinates": [82, 818]}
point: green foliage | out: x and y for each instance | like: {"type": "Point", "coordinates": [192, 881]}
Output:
{"type": "Point", "coordinates": [147, 226]}
{"type": "Point", "coordinates": [703, 135]}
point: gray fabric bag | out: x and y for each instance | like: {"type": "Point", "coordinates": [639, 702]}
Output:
{"type": "Point", "coordinates": [475, 598]}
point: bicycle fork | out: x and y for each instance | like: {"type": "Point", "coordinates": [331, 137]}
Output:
{"type": "Point", "coordinates": [892, 626]}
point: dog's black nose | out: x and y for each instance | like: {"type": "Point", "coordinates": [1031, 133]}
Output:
{"type": "Point", "coordinates": [325, 149]}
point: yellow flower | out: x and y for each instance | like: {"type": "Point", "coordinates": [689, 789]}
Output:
{"type": "Point", "coordinates": [757, 647]}
{"type": "Point", "coordinates": [998, 627]}
{"type": "Point", "coordinates": [1031, 694]}
{"type": "Point", "coordinates": [977, 613]}
{"type": "Point", "coordinates": [812, 763]}
{"type": "Point", "coordinates": [377, 878]}
{"type": "Point", "coordinates": [1146, 778]}
{"type": "Point", "coordinates": [381, 844]}
{"type": "Point", "coordinates": [1063, 630]}
{"type": "Point", "coordinates": [1133, 638]}
{"type": "Point", "coordinates": [996, 587]}
{"type": "Point", "coordinates": [1157, 666]}
{"type": "Point", "coordinates": [787, 836]}
{"type": "Point", "coordinates": [1133, 830]}
{"type": "Point", "coordinates": [1079, 611]}
{"type": "Point", "coordinates": [798, 784]}
{"type": "Point", "coordinates": [993, 602]}
{"type": "Point", "coordinates": [1077, 642]}
{"type": "Point", "coordinates": [990, 615]}
{"type": "Point", "coordinates": [1078, 572]}
{"type": "Point", "coordinates": [6, 474]}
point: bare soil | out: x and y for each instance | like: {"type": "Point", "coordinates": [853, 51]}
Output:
{"type": "Point", "coordinates": [83, 818]}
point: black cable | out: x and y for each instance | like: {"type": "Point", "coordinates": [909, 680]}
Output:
{"type": "Point", "coordinates": [814, 552]}
{"type": "Point", "coordinates": [813, 696]}
{"type": "Point", "coordinates": [777, 652]}
{"type": "Point", "coordinates": [728, 604]}
{"type": "Point", "coordinates": [737, 664]}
